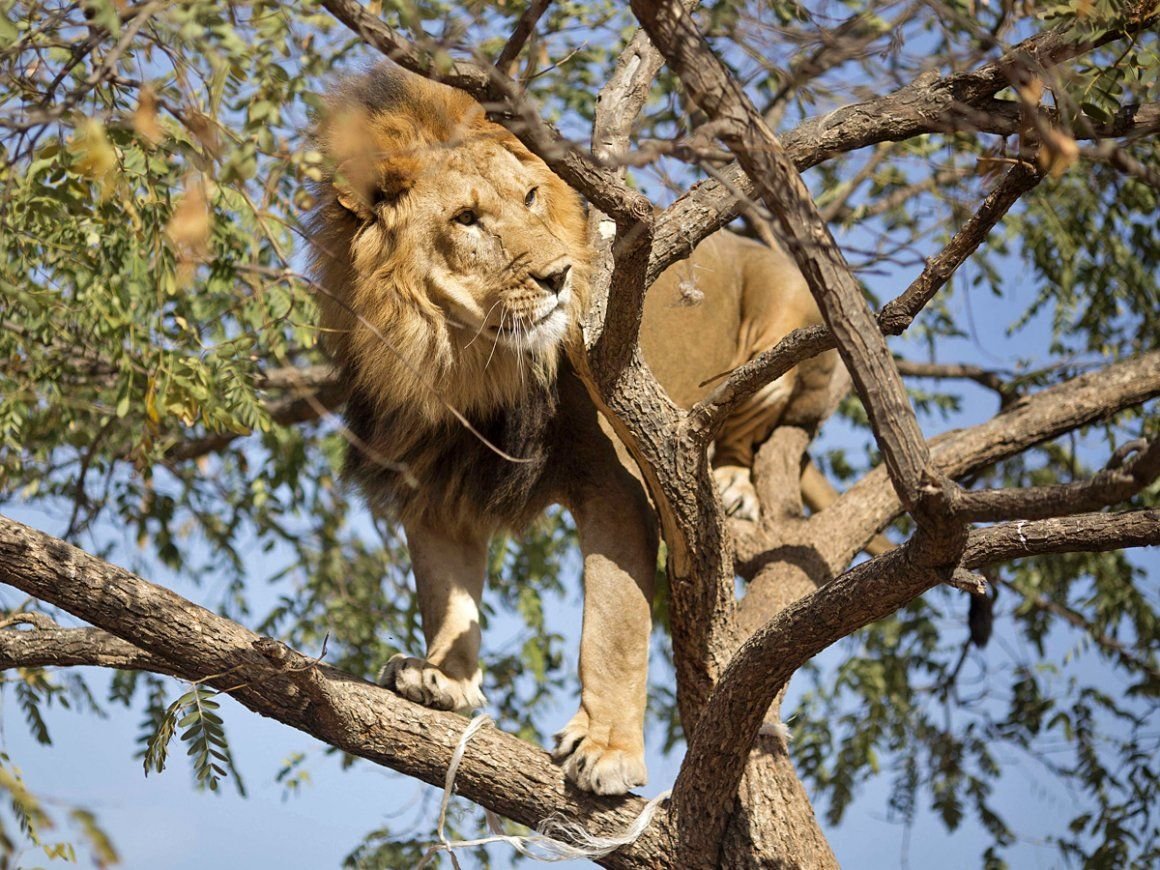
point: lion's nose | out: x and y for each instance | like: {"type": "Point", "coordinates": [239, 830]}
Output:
{"type": "Point", "coordinates": [554, 278]}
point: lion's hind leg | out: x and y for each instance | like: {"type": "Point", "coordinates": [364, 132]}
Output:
{"type": "Point", "coordinates": [449, 573]}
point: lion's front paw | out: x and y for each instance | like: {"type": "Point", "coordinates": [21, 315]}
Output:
{"type": "Point", "coordinates": [424, 683]}
{"type": "Point", "coordinates": [601, 758]}
{"type": "Point", "coordinates": [737, 493]}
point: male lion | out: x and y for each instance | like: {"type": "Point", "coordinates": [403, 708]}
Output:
{"type": "Point", "coordinates": [452, 267]}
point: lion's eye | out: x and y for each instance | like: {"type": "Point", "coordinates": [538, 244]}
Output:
{"type": "Point", "coordinates": [531, 197]}
{"type": "Point", "coordinates": [466, 217]}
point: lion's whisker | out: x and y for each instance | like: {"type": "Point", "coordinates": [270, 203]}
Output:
{"type": "Point", "coordinates": [482, 325]}
{"type": "Point", "coordinates": [494, 344]}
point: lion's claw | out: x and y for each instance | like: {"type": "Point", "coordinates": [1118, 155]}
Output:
{"type": "Point", "coordinates": [604, 766]}
{"type": "Point", "coordinates": [424, 683]}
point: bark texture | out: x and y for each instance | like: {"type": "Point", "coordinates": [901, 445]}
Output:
{"type": "Point", "coordinates": [737, 801]}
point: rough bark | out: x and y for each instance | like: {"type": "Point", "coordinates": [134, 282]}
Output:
{"type": "Point", "coordinates": [737, 801]}
{"type": "Point", "coordinates": [162, 631]}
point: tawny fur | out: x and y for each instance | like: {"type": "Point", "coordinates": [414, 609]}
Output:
{"type": "Point", "coordinates": [452, 269]}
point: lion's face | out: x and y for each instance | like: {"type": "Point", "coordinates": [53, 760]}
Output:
{"type": "Point", "coordinates": [452, 262]}
{"type": "Point", "coordinates": [496, 266]}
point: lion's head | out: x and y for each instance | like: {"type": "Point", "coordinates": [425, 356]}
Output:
{"type": "Point", "coordinates": [451, 261]}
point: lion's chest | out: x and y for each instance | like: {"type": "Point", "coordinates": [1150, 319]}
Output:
{"type": "Point", "coordinates": [496, 472]}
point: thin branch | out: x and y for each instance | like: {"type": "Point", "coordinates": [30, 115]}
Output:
{"type": "Point", "coordinates": [1107, 487]}
{"type": "Point", "coordinates": [893, 319]}
{"type": "Point", "coordinates": [984, 377]}
{"type": "Point", "coordinates": [323, 393]}
{"type": "Point", "coordinates": [849, 40]}
{"type": "Point", "coordinates": [499, 771]}
{"type": "Point", "coordinates": [519, 37]}
{"type": "Point", "coordinates": [502, 97]}
{"type": "Point", "coordinates": [895, 198]}
{"type": "Point", "coordinates": [837, 209]}
{"type": "Point", "coordinates": [929, 104]}
{"type": "Point", "coordinates": [1127, 656]}
{"type": "Point", "coordinates": [1121, 160]}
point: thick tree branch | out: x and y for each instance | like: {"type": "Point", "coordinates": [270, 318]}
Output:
{"type": "Point", "coordinates": [716, 756]}
{"type": "Point", "coordinates": [706, 786]}
{"type": "Point", "coordinates": [868, 592]}
{"type": "Point", "coordinates": [869, 504]}
{"type": "Point", "coordinates": [1083, 533]}
{"type": "Point", "coordinates": [511, 777]}
{"type": "Point", "coordinates": [72, 647]}
{"type": "Point", "coordinates": [1006, 118]}
{"type": "Point", "coordinates": [893, 319]}
{"type": "Point", "coordinates": [813, 248]}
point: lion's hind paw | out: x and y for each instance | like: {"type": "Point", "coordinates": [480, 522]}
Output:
{"type": "Point", "coordinates": [424, 683]}
{"type": "Point", "coordinates": [738, 496]}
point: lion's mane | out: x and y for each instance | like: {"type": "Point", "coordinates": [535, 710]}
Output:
{"type": "Point", "coordinates": [388, 136]}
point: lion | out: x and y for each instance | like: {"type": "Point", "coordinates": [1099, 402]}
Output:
{"type": "Point", "coordinates": [452, 271]}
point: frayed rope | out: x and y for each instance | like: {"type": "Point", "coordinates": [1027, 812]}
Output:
{"type": "Point", "coordinates": [556, 838]}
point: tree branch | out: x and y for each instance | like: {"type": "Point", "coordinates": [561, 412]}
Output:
{"type": "Point", "coordinates": [507, 775]}
{"type": "Point", "coordinates": [320, 392]}
{"type": "Point", "coordinates": [813, 248]}
{"type": "Point", "coordinates": [1126, 655]}
{"type": "Point", "coordinates": [929, 104]}
{"type": "Point", "coordinates": [981, 376]}
{"type": "Point", "coordinates": [72, 647]}
{"type": "Point", "coordinates": [869, 504]}
{"type": "Point", "coordinates": [1083, 533]}
{"type": "Point", "coordinates": [519, 37]}
{"type": "Point", "coordinates": [507, 106]}
{"type": "Point", "coordinates": [893, 319]}
{"type": "Point", "coordinates": [1107, 487]}
{"type": "Point", "coordinates": [865, 593]}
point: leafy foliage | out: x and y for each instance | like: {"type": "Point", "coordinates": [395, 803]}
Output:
{"type": "Point", "coordinates": [155, 165]}
{"type": "Point", "coordinates": [197, 713]}
{"type": "Point", "coordinates": [36, 820]}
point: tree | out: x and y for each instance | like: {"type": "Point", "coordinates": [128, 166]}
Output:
{"type": "Point", "coordinates": [162, 373]}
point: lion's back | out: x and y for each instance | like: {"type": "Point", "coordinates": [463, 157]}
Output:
{"type": "Point", "coordinates": [731, 299]}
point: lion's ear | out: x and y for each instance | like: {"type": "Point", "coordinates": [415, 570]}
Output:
{"type": "Point", "coordinates": [371, 166]}
{"type": "Point", "coordinates": [361, 187]}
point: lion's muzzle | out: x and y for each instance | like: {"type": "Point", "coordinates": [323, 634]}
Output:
{"type": "Point", "coordinates": [554, 278]}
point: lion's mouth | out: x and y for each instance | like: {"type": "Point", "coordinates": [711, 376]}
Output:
{"type": "Point", "coordinates": [519, 326]}
{"type": "Point", "coordinates": [535, 334]}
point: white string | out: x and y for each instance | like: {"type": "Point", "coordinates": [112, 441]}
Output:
{"type": "Point", "coordinates": [556, 838]}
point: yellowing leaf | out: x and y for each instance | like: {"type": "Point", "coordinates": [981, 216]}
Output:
{"type": "Point", "coordinates": [189, 227]}
{"type": "Point", "coordinates": [1057, 153]}
{"type": "Point", "coordinates": [151, 402]}
{"type": "Point", "coordinates": [94, 156]}
{"type": "Point", "coordinates": [145, 117]}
